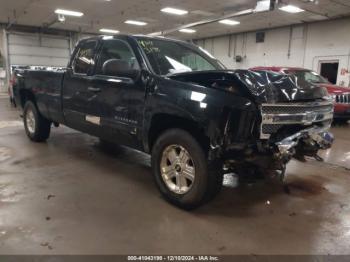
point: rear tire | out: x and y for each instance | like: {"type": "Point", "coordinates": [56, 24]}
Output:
{"type": "Point", "coordinates": [182, 172]}
{"type": "Point", "coordinates": [36, 126]}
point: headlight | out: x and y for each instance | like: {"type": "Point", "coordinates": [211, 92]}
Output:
{"type": "Point", "coordinates": [334, 98]}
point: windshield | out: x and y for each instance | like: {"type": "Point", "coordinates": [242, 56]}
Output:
{"type": "Point", "coordinates": [308, 76]}
{"type": "Point", "coordinates": [170, 57]}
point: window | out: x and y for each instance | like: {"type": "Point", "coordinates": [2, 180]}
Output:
{"type": "Point", "coordinates": [116, 49]}
{"type": "Point", "coordinates": [307, 76]}
{"type": "Point", "coordinates": [84, 59]}
{"type": "Point", "coordinates": [170, 57]}
{"type": "Point", "coordinates": [260, 37]}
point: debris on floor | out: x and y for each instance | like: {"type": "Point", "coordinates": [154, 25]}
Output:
{"type": "Point", "coordinates": [222, 248]}
{"type": "Point", "coordinates": [46, 244]}
{"type": "Point", "coordinates": [343, 206]}
{"type": "Point", "coordinates": [50, 196]}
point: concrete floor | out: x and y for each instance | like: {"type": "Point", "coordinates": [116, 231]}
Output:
{"type": "Point", "coordinates": [68, 196]}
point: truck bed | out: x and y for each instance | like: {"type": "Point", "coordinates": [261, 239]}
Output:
{"type": "Point", "coordinates": [46, 85]}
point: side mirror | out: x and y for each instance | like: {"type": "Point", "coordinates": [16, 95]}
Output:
{"type": "Point", "coordinates": [118, 67]}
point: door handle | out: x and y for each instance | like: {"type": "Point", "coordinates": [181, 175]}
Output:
{"type": "Point", "coordinates": [94, 89]}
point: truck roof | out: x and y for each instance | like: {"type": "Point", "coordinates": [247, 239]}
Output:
{"type": "Point", "coordinates": [102, 37]}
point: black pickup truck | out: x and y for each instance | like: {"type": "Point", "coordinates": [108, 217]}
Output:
{"type": "Point", "coordinates": [175, 101]}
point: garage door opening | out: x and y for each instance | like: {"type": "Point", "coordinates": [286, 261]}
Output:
{"type": "Point", "coordinates": [38, 50]}
{"type": "Point", "coordinates": [329, 70]}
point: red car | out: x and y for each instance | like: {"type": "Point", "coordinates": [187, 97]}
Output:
{"type": "Point", "coordinates": [341, 95]}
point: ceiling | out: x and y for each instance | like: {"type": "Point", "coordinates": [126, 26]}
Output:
{"type": "Point", "coordinates": [112, 14]}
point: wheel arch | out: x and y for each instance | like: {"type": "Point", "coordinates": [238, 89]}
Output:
{"type": "Point", "coordinates": [26, 95]}
{"type": "Point", "coordinates": [163, 121]}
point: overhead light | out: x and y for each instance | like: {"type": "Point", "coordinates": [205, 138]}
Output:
{"type": "Point", "coordinates": [291, 9]}
{"type": "Point", "coordinates": [174, 11]}
{"type": "Point", "coordinates": [155, 34]}
{"type": "Point", "coordinates": [245, 12]}
{"type": "Point", "coordinates": [187, 30]}
{"type": "Point", "coordinates": [229, 22]}
{"type": "Point", "coordinates": [109, 31]}
{"type": "Point", "coordinates": [264, 5]}
{"type": "Point", "coordinates": [68, 12]}
{"type": "Point", "coordinates": [134, 22]}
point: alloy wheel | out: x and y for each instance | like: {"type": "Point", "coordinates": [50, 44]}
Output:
{"type": "Point", "coordinates": [177, 169]}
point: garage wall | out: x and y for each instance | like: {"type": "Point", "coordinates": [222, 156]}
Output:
{"type": "Point", "coordinates": [3, 73]}
{"type": "Point", "coordinates": [301, 46]}
{"type": "Point", "coordinates": [38, 50]}
{"type": "Point", "coordinates": [22, 49]}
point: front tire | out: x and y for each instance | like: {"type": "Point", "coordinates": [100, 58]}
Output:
{"type": "Point", "coordinates": [182, 172]}
{"type": "Point", "coordinates": [36, 126]}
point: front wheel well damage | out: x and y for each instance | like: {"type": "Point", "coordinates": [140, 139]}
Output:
{"type": "Point", "coordinates": [162, 122]}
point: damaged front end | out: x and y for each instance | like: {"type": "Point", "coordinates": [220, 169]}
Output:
{"type": "Point", "coordinates": [292, 130]}
{"type": "Point", "coordinates": [283, 119]}
{"type": "Point", "coordinates": [287, 128]}
{"type": "Point", "coordinates": [304, 142]}
{"type": "Point", "coordinates": [297, 129]}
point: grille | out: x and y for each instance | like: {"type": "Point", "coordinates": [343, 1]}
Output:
{"type": "Point", "coordinates": [293, 109]}
{"type": "Point", "coordinates": [270, 129]}
{"type": "Point", "coordinates": [342, 99]}
{"type": "Point", "coordinates": [276, 116]}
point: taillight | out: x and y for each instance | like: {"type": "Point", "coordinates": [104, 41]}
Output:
{"type": "Point", "coordinates": [13, 81]}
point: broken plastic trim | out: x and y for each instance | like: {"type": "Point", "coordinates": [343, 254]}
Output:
{"type": "Point", "coordinates": [319, 135]}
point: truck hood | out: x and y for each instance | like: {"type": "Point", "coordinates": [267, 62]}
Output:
{"type": "Point", "coordinates": [333, 89]}
{"type": "Point", "coordinates": [264, 87]}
